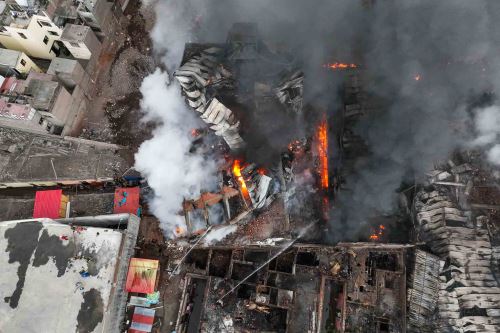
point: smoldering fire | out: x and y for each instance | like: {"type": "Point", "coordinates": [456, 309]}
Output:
{"type": "Point", "coordinates": [420, 86]}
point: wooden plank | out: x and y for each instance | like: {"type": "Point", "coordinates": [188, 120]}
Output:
{"type": "Point", "coordinates": [468, 283]}
{"type": "Point", "coordinates": [481, 328]}
{"type": "Point", "coordinates": [449, 314]}
{"type": "Point", "coordinates": [493, 312]}
{"type": "Point", "coordinates": [460, 291]}
{"type": "Point", "coordinates": [476, 277]}
{"type": "Point", "coordinates": [477, 269]}
{"type": "Point", "coordinates": [480, 297]}
{"type": "Point", "coordinates": [481, 320]}
{"type": "Point", "coordinates": [448, 306]}
{"type": "Point", "coordinates": [466, 250]}
{"type": "Point", "coordinates": [479, 304]}
{"type": "Point", "coordinates": [471, 244]}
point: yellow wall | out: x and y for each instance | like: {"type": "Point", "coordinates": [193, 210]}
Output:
{"type": "Point", "coordinates": [33, 45]}
{"type": "Point", "coordinates": [29, 65]}
{"type": "Point", "coordinates": [81, 52]}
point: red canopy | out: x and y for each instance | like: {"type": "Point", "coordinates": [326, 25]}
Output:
{"type": "Point", "coordinates": [142, 320]}
{"type": "Point", "coordinates": [47, 204]}
{"type": "Point", "coordinates": [141, 277]}
{"type": "Point", "coordinates": [126, 200]}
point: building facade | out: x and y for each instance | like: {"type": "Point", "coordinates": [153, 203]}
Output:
{"type": "Point", "coordinates": [16, 63]}
{"type": "Point", "coordinates": [80, 41]}
{"type": "Point", "coordinates": [35, 35]}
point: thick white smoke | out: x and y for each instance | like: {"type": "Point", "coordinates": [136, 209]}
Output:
{"type": "Point", "coordinates": [171, 170]}
{"type": "Point", "coordinates": [487, 124]}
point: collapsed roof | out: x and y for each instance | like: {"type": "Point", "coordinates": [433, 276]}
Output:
{"type": "Point", "coordinates": [464, 284]}
{"type": "Point", "coordinates": [197, 76]}
{"type": "Point", "coordinates": [307, 288]}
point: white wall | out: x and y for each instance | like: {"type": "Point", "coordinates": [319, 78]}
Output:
{"type": "Point", "coordinates": [80, 52]}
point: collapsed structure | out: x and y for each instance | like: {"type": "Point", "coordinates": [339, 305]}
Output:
{"type": "Point", "coordinates": [200, 77]}
{"type": "Point", "coordinates": [230, 86]}
{"type": "Point", "coordinates": [299, 288]}
{"type": "Point", "coordinates": [464, 284]}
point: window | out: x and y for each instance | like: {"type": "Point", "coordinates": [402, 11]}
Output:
{"type": "Point", "coordinates": [46, 40]}
{"type": "Point", "coordinates": [44, 23]}
{"type": "Point", "coordinates": [53, 33]}
{"type": "Point", "coordinates": [23, 62]}
{"type": "Point", "coordinates": [74, 44]}
{"type": "Point", "coordinates": [55, 48]}
{"type": "Point", "coordinates": [22, 35]}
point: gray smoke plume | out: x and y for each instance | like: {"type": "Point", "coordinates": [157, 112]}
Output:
{"type": "Point", "coordinates": [422, 61]}
{"type": "Point", "coordinates": [487, 125]}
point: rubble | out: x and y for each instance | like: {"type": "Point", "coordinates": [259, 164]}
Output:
{"type": "Point", "coordinates": [469, 292]}
{"type": "Point", "coordinates": [296, 291]}
{"type": "Point", "coordinates": [290, 91]}
{"type": "Point", "coordinates": [199, 76]}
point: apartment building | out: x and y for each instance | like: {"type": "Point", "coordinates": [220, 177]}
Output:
{"type": "Point", "coordinates": [97, 15]}
{"type": "Point", "coordinates": [16, 63]}
{"type": "Point", "coordinates": [22, 30]}
{"type": "Point", "coordinates": [80, 41]}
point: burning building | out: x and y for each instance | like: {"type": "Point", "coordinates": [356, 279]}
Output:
{"type": "Point", "coordinates": [352, 287]}
{"type": "Point", "coordinates": [461, 288]}
{"type": "Point", "coordinates": [444, 282]}
{"type": "Point", "coordinates": [254, 121]}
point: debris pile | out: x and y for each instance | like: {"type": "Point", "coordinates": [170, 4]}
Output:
{"type": "Point", "coordinates": [200, 77]}
{"type": "Point", "coordinates": [469, 293]}
{"type": "Point", "coordinates": [290, 91]}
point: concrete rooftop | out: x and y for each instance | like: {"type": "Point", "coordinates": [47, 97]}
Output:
{"type": "Point", "coordinates": [29, 157]}
{"type": "Point", "coordinates": [40, 282]}
{"type": "Point", "coordinates": [62, 65]}
{"type": "Point", "coordinates": [73, 32]}
{"type": "Point", "coordinates": [9, 57]}
{"type": "Point", "coordinates": [43, 92]}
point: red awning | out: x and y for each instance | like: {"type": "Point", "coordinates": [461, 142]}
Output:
{"type": "Point", "coordinates": [126, 200]}
{"type": "Point", "coordinates": [141, 277]}
{"type": "Point", "coordinates": [47, 204]}
{"type": "Point", "coordinates": [142, 320]}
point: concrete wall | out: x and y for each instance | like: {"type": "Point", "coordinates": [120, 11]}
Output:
{"type": "Point", "coordinates": [62, 107]}
{"type": "Point", "coordinates": [31, 125]}
{"type": "Point", "coordinates": [70, 73]}
{"type": "Point", "coordinates": [81, 41]}
{"type": "Point", "coordinates": [33, 45]}
{"type": "Point", "coordinates": [14, 62]}
{"type": "Point", "coordinates": [28, 66]}
{"type": "Point", "coordinates": [78, 106]}
{"type": "Point", "coordinates": [78, 50]}
{"type": "Point", "coordinates": [97, 17]}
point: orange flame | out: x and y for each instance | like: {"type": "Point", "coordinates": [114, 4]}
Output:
{"type": "Point", "coordinates": [239, 177]}
{"type": "Point", "coordinates": [339, 65]}
{"type": "Point", "coordinates": [179, 230]}
{"type": "Point", "coordinates": [377, 233]}
{"type": "Point", "coordinates": [417, 77]}
{"type": "Point", "coordinates": [195, 132]}
{"type": "Point", "coordinates": [323, 153]}
{"type": "Point", "coordinates": [322, 137]}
